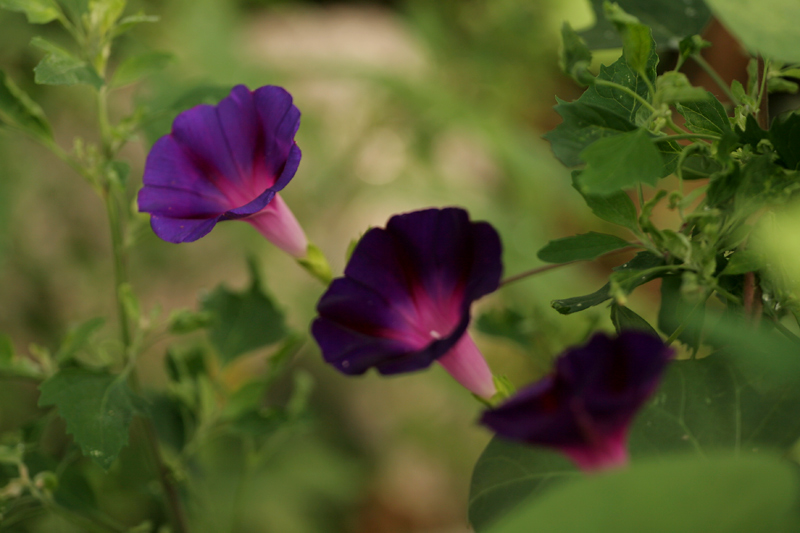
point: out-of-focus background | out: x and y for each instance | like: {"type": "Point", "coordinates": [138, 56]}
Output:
{"type": "Point", "coordinates": [406, 104]}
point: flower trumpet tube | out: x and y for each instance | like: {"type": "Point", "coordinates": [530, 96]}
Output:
{"type": "Point", "coordinates": [227, 162]}
{"type": "Point", "coordinates": [584, 408]}
{"type": "Point", "coordinates": [404, 301]}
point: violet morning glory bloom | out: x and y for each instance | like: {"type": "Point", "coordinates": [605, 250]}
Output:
{"type": "Point", "coordinates": [585, 406]}
{"type": "Point", "coordinates": [404, 301]}
{"type": "Point", "coordinates": [227, 162]}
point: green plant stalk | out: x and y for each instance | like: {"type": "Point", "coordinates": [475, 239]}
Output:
{"type": "Point", "coordinates": [539, 270]}
{"type": "Point", "coordinates": [716, 77]}
{"type": "Point", "coordinates": [113, 198]}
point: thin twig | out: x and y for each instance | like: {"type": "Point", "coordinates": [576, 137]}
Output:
{"type": "Point", "coordinates": [716, 77]}
{"type": "Point", "coordinates": [539, 270]}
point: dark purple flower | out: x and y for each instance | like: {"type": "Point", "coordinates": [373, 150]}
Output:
{"type": "Point", "coordinates": [404, 301]}
{"type": "Point", "coordinates": [226, 162]}
{"type": "Point", "coordinates": [585, 406]}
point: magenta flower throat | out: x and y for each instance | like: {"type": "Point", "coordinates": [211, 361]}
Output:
{"type": "Point", "coordinates": [584, 408]}
{"type": "Point", "coordinates": [227, 162]}
{"type": "Point", "coordinates": [404, 301]}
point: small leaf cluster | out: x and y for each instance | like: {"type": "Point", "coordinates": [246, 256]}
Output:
{"type": "Point", "coordinates": [622, 134]}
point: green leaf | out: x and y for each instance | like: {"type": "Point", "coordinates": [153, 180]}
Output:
{"type": "Point", "coordinates": [767, 27]}
{"type": "Point", "coordinates": [582, 125]}
{"type": "Point", "coordinates": [77, 338]}
{"type": "Point", "coordinates": [601, 111]}
{"type": "Point", "coordinates": [670, 21]}
{"type": "Point", "coordinates": [575, 56]}
{"type": "Point", "coordinates": [17, 109]}
{"type": "Point", "coordinates": [617, 208]}
{"type": "Point", "coordinates": [715, 403]}
{"type": "Point", "coordinates": [752, 134]}
{"type": "Point", "coordinates": [697, 167]}
{"type": "Point", "coordinates": [59, 67]}
{"type": "Point", "coordinates": [676, 310]}
{"type": "Point", "coordinates": [621, 161]}
{"type": "Point", "coordinates": [243, 321]}
{"type": "Point", "coordinates": [743, 261]}
{"type": "Point", "coordinates": [37, 11]}
{"type": "Point", "coordinates": [103, 14]}
{"type": "Point", "coordinates": [705, 117]}
{"type": "Point", "coordinates": [785, 136]}
{"type": "Point", "coordinates": [782, 85]}
{"type": "Point", "coordinates": [674, 87]}
{"type": "Point", "coordinates": [724, 493]}
{"type": "Point", "coordinates": [137, 67]}
{"type": "Point", "coordinates": [637, 40]}
{"type": "Point", "coordinates": [624, 319]}
{"type": "Point", "coordinates": [125, 24]}
{"type": "Point", "coordinates": [508, 473]}
{"type": "Point", "coordinates": [641, 268]}
{"type": "Point", "coordinates": [582, 247]}
{"type": "Point", "coordinates": [98, 409]}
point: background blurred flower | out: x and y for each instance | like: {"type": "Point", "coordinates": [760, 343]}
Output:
{"type": "Point", "coordinates": [227, 162]}
{"type": "Point", "coordinates": [585, 407]}
{"type": "Point", "coordinates": [405, 298]}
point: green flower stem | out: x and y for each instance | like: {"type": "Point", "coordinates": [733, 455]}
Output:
{"type": "Point", "coordinates": [688, 136]}
{"type": "Point", "coordinates": [113, 197]}
{"type": "Point", "coordinates": [120, 268]}
{"type": "Point", "coordinates": [716, 77]}
{"type": "Point", "coordinates": [539, 270]}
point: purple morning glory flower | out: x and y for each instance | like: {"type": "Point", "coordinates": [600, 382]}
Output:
{"type": "Point", "coordinates": [227, 162]}
{"type": "Point", "coordinates": [404, 301]}
{"type": "Point", "coordinates": [585, 406]}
